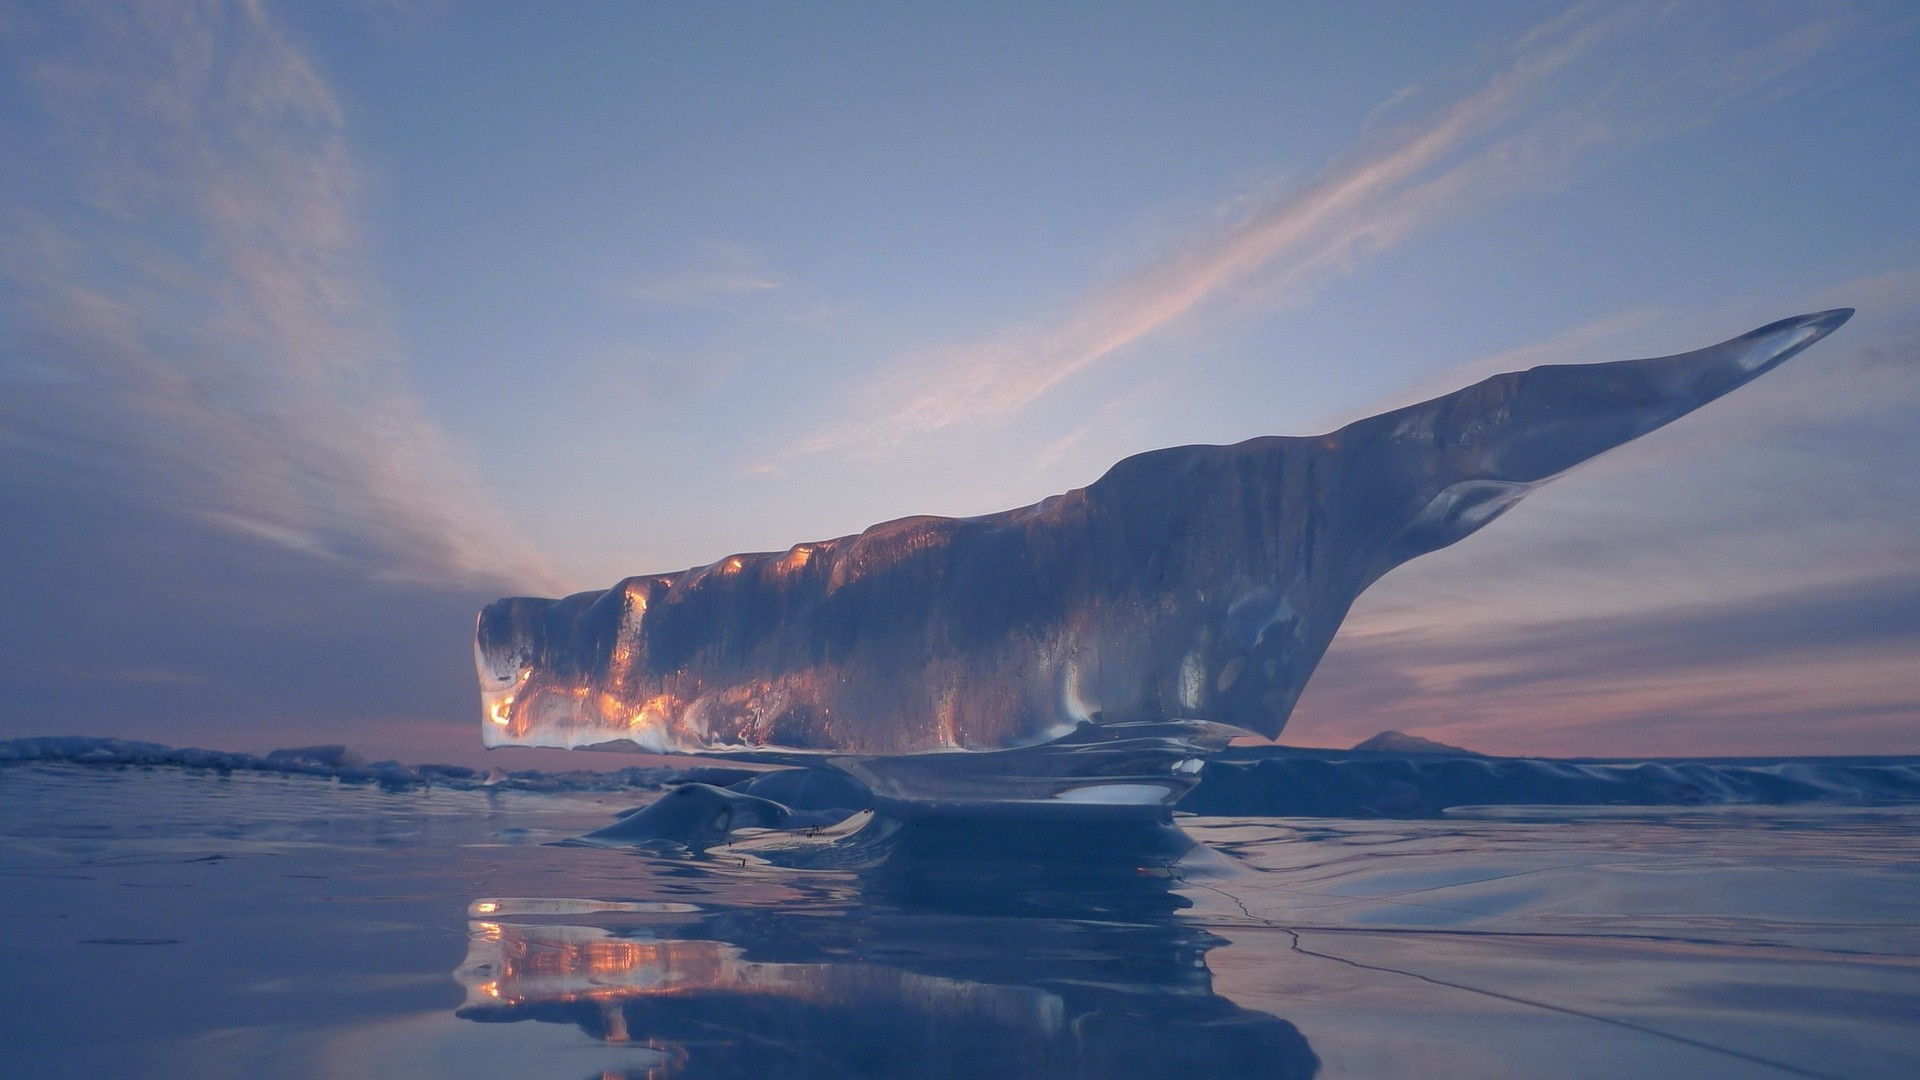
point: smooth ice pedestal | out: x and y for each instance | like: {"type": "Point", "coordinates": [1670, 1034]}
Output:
{"type": "Point", "coordinates": [1087, 651]}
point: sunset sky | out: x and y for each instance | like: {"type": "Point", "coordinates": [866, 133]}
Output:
{"type": "Point", "coordinates": [322, 324]}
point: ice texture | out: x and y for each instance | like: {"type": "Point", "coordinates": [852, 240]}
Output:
{"type": "Point", "coordinates": [1241, 781]}
{"type": "Point", "coordinates": [328, 762]}
{"type": "Point", "coordinates": [173, 922]}
{"type": "Point", "coordinates": [1196, 586]}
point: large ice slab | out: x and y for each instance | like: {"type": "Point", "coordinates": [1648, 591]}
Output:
{"type": "Point", "coordinates": [1187, 588]}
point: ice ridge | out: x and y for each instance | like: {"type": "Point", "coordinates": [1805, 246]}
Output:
{"type": "Point", "coordinates": [1193, 582]}
{"type": "Point", "coordinates": [1287, 782]}
{"type": "Point", "coordinates": [327, 762]}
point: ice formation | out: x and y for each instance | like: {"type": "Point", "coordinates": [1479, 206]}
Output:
{"type": "Point", "coordinates": [1187, 592]}
{"type": "Point", "coordinates": [1242, 781]}
{"type": "Point", "coordinates": [696, 815]}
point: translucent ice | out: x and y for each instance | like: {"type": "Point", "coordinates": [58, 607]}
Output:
{"type": "Point", "coordinates": [1111, 631]}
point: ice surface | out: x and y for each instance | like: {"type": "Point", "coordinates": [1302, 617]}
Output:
{"type": "Point", "coordinates": [1292, 782]}
{"type": "Point", "coordinates": [1239, 782]}
{"type": "Point", "coordinates": [1194, 582]}
{"type": "Point", "coordinates": [331, 762]}
{"type": "Point", "coordinates": [174, 922]}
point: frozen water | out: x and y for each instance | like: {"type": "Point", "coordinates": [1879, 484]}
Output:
{"type": "Point", "coordinates": [1356, 783]}
{"type": "Point", "coordinates": [333, 762]}
{"type": "Point", "coordinates": [1251, 780]}
{"type": "Point", "coordinates": [171, 922]}
{"type": "Point", "coordinates": [1082, 636]}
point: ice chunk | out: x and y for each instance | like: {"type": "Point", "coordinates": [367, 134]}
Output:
{"type": "Point", "coordinates": [1193, 582]}
{"type": "Point", "coordinates": [695, 815]}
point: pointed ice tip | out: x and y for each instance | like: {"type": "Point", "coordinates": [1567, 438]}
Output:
{"type": "Point", "coordinates": [1806, 328]}
{"type": "Point", "coordinates": [1757, 351]}
{"type": "Point", "coordinates": [1825, 322]}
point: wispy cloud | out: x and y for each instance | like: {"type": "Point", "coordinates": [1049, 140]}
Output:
{"type": "Point", "coordinates": [700, 290]}
{"type": "Point", "coordinates": [1828, 670]}
{"type": "Point", "coordinates": [1886, 337]}
{"type": "Point", "coordinates": [1522, 119]}
{"type": "Point", "coordinates": [724, 274]}
{"type": "Point", "coordinates": [643, 375]}
{"type": "Point", "coordinates": [193, 320]}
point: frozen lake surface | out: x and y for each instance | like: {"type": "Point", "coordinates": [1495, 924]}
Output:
{"type": "Point", "coordinates": [176, 922]}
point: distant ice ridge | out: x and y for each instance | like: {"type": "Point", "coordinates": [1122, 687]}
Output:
{"type": "Point", "coordinates": [1193, 582]}
{"type": "Point", "coordinates": [330, 762]}
{"type": "Point", "coordinates": [1289, 782]}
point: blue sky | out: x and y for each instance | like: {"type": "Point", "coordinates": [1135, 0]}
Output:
{"type": "Point", "coordinates": [322, 324]}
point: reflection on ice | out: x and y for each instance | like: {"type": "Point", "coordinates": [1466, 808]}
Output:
{"type": "Point", "coordinates": [313, 921]}
{"type": "Point", "coordinates": [1054, 953]}
{"type": "Point", "coordinates": [527, 966]}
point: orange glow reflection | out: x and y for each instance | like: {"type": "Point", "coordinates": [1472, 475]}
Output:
{"type": "Point", "coordinates": [516, 964]}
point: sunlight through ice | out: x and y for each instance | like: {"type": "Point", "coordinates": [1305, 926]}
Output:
{"type": "Point", "coordinates": [1092, 642]}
